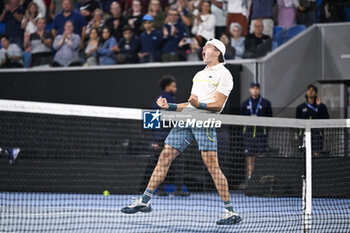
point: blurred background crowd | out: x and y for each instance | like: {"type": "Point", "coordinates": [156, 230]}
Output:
{"type": "Point", "coordinates": [106, 32]}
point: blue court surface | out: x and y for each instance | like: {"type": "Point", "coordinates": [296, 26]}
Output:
{"type": "Point", "coordinates": [47, 212]}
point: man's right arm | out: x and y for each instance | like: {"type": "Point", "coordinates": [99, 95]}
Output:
{"type": "Point", "coordinates": [163, 104]}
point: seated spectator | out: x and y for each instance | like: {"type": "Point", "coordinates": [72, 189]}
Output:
{"type": "Point", "coordinates": [257, 44]}
{"type": "Point", "coordinates": [56, 7]}
{"type": "Point", "coordinates": [158, 15]}
{"type": "Point", "coordinates": [134, 19]}
{"type": "Point", "coordinates": [107, 46]}
{"type": "Point", "coordinates": [237, 40]}
{"type": "Point", "coordinates": [13, 15]}
{"type": "Point", "coordinates": [230, 51]}
{"type": "Point", "coordinates": [87, 8]}
{"type": "Point", "coordinates": [186, 16]}
{"type": "Point", "coordinates": [173, 32]}
{"type": "Point", "coordinates": [29, 20]}
{"type": "Point", "coordinates": [67, 46]}
{"type": "Point", "coordinates": [40, 44]}
{"type": "Point", "coordinates": [10, 54]}
{"type": "Point", "coordinates": [116, 22]}
{"type": "Point", "coordinates": [96, 22]}
{"type": "Point", "coordinates": [195, 50]}
{"type": "Point", "coordinates": [129, 47]}
{"type": "Point", "coordinates": [59, 22]}
{"type": "Point", "coordinates": [287, 12]}
{"type": "Point", "coordinates": [91, 48]}
{"type": "Point", "coordinates": [204, 24]}
{"type": "Point", "coordinates": [238, 12]}
{"type": "Point", "coordinates": [264, 11]}
{"type": "Point", "coordinates": [193, 53]}
{"type": "Point", "coordinates": [151, 40]}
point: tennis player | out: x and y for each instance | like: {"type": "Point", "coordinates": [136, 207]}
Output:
{"type": "Point", "coordinates": [210, 90]}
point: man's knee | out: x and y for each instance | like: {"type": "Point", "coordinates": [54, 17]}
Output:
{"type": "Point", "coordinates": [168, 154]}
{"type": "Point", "coordinates": [210, 159]}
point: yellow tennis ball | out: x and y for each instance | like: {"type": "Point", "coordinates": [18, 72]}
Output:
{"type": "Point", "coordinates": [106, 192]}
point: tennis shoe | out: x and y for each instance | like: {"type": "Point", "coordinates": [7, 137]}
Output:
{"type": "Point", "coordinates": [229, 218]}
{"type": "Point", "coordinates": [137, 206]}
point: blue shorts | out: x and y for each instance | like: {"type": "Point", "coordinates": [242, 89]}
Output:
{"type": "Point", "coordinates": [180, 138]}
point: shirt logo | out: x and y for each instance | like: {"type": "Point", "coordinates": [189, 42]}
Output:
{"type": "Point", "coordinates": [151, 119]}
{"type": "Point", "coordinates": [210, 76]}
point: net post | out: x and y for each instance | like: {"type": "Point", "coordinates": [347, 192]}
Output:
{"type": "Point", "coordinates": [307, 183]}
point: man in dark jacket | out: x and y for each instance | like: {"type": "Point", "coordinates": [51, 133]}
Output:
{"type": "Point", "coordinates": [257, 44]}
{"type": "Point", "coordinates": [313, 108]}
{"type": "Point", "coordinates": [173, 32]}
{"type": "Point", "coordinates": [255, 138]}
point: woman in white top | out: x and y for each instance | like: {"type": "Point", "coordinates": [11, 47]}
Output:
{"type": "Point", "coordinates": [237, 40]}
{"type": "Point", "coordinates": [32, 14]}
{"type": "Point", "coordinates": [91, 48]}
{"type": "Point", "coordinates": [204, 24]}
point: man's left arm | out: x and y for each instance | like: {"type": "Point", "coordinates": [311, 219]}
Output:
{"type": "Point", "coordinates": [323, 112]}
{"type": "Point", "coordinates": [322, 108]}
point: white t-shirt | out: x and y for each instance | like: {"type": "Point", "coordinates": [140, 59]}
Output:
{"type": "Point", "coordinates": [205, 29]}
{"type": "Point", "coordinates": [239, 7]}
{"type": "Point", "coordinates": [31, 28]}
{"type": "Point", "coordinates": [211, 80]}
{"type": "Point", "coordinates": [219, 14]}
{"type": "Point", "coordinates": [13, 51]}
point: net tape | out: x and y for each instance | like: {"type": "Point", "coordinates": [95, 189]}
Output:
{"type": "Point", "coordinates": [136, 114]}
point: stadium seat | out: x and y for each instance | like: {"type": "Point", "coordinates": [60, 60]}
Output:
{"type": "Point", "coordinates": [274, 45]}
{"type": "Point", "coordinates": [277, 29]}
{"type": "Point", "coordinates": [347, 14]}
{"type": "Point", "coordinates": [278, 35]}
{"type": "Point", "coordinates": [293, 31]}
{"type": "Point", "coordinates": [2, 28]}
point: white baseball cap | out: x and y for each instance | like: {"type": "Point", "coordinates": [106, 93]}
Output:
{"type": "Point", "coordinates": [219, 45]}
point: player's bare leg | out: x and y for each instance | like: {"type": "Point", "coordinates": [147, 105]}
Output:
{"type": "Point", "coordinates": [251, 161]}
{"type": "Point", "coordinates": [166, 157]}
{"type": "Point", "coordinates": [210, 159]}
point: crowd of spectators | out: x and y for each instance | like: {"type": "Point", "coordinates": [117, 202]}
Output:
{"type": "Point", "coordinates": [106, 32]}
